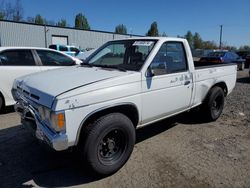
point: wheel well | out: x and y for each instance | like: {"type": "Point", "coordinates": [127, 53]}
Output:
{"type": "Point", "coordinates": [223, 86]}
{"type": "Point", "coordinates": [127, 109]}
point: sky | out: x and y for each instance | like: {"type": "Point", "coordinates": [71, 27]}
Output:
{"type": "Point", "coordinates": [174, 17]}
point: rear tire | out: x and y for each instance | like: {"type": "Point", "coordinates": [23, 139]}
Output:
{"type": "Point", "coordinates": [242, 66]}
{"type": "Point", "coordinates": [1, 103]}
{"type": "Point", "coordinates": [213, 105]}
{"type": "Point", "coordinates": [108, 143]}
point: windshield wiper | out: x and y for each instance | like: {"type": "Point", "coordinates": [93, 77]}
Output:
{"type": "Point", "coordinates": [112, 67]}
{"type": "Point", "coordinates": [86, 64]}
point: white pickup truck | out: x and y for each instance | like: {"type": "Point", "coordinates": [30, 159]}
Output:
{"type": "Point", "coordinates": [124, 85]}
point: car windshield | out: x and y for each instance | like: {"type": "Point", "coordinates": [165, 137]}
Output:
{"type": "Point", "coordinates": [216, 54]}
{"type": "Point", "coordinates": [123, 55]}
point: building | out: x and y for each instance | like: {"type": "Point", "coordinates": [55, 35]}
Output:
{"type": "Point", "coordinates": [28, 34]}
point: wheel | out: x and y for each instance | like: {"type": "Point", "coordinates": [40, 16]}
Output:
{"type": "Point", "coordinates": [214, 104]}
{"type": "Point", "coordinates": [1, 103]}
{"type": "Point", "coordinates": [109, 143]}
{"type": "Point", "coordinates": [242, 66]}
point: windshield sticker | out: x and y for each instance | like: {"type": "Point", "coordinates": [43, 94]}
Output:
{"type": "Point", "coordinates": [142, 43]}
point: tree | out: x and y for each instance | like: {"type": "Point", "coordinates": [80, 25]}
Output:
{"type": "Point", "coordinates": [62, 23]}
{"type": "Point", "coordinates": [244, 48]}
{"type": "Point", "coordinates": [81, 22]}
{"type": "Point", "coordinates": [49, 22]}
{"type": "Point", "coordinates": [164, 34]}
{"type": "Point", "coordinates": [39, 19]}
{"type": "Point", "coordinates": [153, 31]}
{"type": "Point", "coordinates": [121, 29]}
{"type": "Point", "coordinates": [209, 45]}
{"type": "Point", "coordinates": [189, 37]}
{"type": "Point", "coordinates": [2, 12]}
{"type": "Point", "coordinates": [17, 11]}
{"type": "Point", "coordinates": [1, 15]}
{"type": "Point", "coordinates": [197, 41]}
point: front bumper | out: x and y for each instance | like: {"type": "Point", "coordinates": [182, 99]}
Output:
{"type": "Point", "coordinates": [58, 141]}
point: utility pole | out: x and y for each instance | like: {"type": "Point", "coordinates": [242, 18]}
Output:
{"type": "Point", "coordinates": [45, 34]}
{"type": "Point", "coordinates": [221, 26]}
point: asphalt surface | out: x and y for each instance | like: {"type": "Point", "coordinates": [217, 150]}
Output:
{"type": "Point", "coordinates": [183, 151]}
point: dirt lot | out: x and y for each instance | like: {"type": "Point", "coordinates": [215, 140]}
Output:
{"type": "Point", "coordinates": [179, 152]}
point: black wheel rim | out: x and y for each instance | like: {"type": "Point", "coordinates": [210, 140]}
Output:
{"type": "Point", "coordinates": [217, 105]}
{"type": "Point", "coordinates": [112, 146]}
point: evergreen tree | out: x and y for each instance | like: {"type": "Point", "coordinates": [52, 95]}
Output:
{"type": "Point", "coordinates": [197, 41]}
{"type": "Point", "coordinates": [39, 19]}
{"type": "Point", "coordinates": [189, 37]}
{"type": "Point", "coordinates": [121, 29]}
{"type": "Point", "coordinates": [62, 23]}
{"type": "Point", "coordinates": [81, 22]}
{"type": "Point", "coordinates": [153, 31]}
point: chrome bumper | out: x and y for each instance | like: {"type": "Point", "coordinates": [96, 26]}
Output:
{"type": "Point", "coordinates": [58, 141]}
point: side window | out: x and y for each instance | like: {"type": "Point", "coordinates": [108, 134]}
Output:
{"type": "Point", "coordinates": [17, 58]}
{"type": "Point", "coordinates": [50, 58]}
{"type": "Point", "coordinates": [53, 47]}
{"type": "Point", "coordinates": [63, 48]}
{"type": "Point", "coordinates": [169, 59]}
{"type": "Point", "coordinates": [73, 49]}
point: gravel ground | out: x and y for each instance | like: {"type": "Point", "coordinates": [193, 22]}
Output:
{"type": "Point", "coordinates": [178, 152]}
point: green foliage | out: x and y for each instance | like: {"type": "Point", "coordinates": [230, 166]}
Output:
{"type": "Point", "coordinates": [153, 31]}
{"type": "Point", "coordinates": [81, 22]}
{"type": "Point", "coordinates": [189, 37]}
{"type": "Point", "coordinates": [121, 29]}
{"type": "Point", "coordinates": [197, 41]}
{"type": "Point", "coordinates": [1, 15]}
{"type": "Point", "coordinates": [244, 48]}
{"type": "Point", "coordinates": [39, 19]}
{"type": "Point", "coordinates": [209, 45]}
{"type": "Point", "coordinates": [62, 23]}
{"type": "Point", "coordinates": [164, 34]}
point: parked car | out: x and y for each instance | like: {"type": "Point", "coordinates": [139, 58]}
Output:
{"type": "Point", "coordinates": [124, 85]}
{"type": "Point", "coordinates": [70, 50]}
{"type": "Point", "coordinates": [245, 54]}
{"type": "Point", "coordinates": [224, 57]}
{"type": "Point", "coordinates": [19, 61]}
{"type": "Point", "coordinates": [73, 51]}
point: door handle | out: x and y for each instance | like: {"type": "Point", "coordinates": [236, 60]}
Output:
{"type": "Point", "coordinates": [187, 82]}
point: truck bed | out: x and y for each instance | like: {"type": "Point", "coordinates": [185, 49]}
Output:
{"type": "Point", "coordinates": [204, 65]}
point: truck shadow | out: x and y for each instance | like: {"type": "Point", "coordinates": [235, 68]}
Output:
{"type": "Point", "coordinates": [24, 162]}
{"type": "Point", "coordinates": [245, 80]}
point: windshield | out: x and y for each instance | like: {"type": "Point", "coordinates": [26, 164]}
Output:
{"type": "Point", "coordinates": [125, 54]}
{"type": "Point", "coordinates": [216, 54]}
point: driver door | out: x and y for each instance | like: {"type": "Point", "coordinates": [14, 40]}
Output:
{"type": "Point", "coordinates": [168, 89]}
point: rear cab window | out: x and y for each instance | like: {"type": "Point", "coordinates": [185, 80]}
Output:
{"type": "Point", "coordinates": [17, 58]}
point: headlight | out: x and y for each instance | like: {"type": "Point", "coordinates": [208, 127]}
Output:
{"type": "Point", "coordinates": [41, 111]}
{"type": "Point", "coordinates": [55, 120]}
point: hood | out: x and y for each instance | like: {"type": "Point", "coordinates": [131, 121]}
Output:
{"type": "Point", "coordinates": [43, 87]}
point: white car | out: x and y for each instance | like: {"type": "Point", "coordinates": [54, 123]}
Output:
{"type": "Point", "coordinates": [124, 85]}
{"type": "Point", "coordinates": [19, 61]}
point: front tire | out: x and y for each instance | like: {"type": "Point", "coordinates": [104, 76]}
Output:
{"type": "Point", "coordinates": [214, 104]}
{"type": "Point", "coordinates": [109, 143]}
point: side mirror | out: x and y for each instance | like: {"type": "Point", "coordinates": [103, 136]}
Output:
{"type": "Point", "coordinates": [150, 72]}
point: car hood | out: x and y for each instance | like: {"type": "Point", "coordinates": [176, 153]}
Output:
{"type": "Point", "coordinates": [43, 87]}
